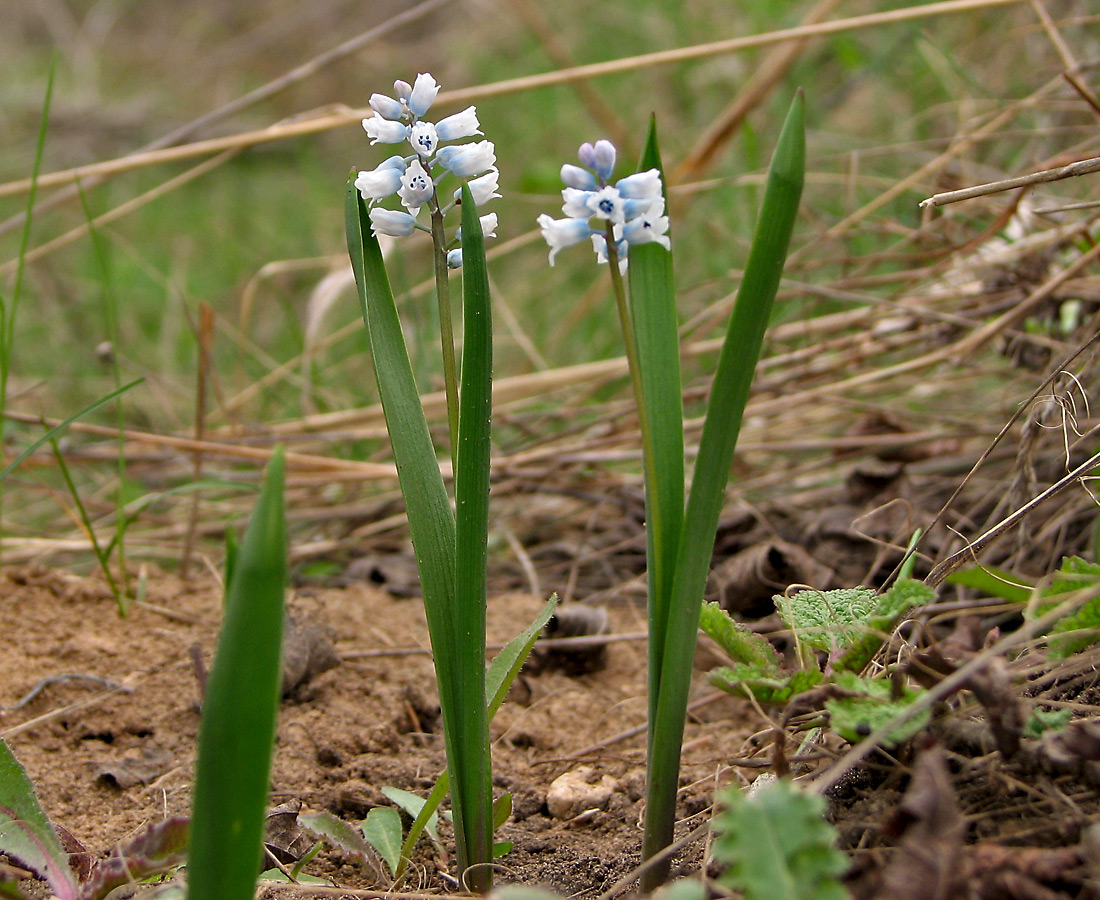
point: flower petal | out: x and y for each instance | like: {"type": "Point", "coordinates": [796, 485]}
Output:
{"type": "Point", "coordinates": [465, 160]}
{"type": "Point", "coordinates": [383, 131]}
{"type": "Point", "coordinates": [381, 182]}
{"type": "Point", "coordinates": [391, 222]}
{"type": "Point", "coordinates": [460, 125]}
{"type": "Point", "coordinates": [417, 187]}
{"type": "Point", "coordinates": [559, 233]}
{"type": "Point", "coordinates": [386, 107]}
{"type": "Point", "coordinates": [578, 178]}
{"type": "Point", "coordinates": [423, 94]}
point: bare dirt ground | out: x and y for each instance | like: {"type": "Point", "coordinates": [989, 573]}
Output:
{"type": "Point", "coordinates": [112, 754]}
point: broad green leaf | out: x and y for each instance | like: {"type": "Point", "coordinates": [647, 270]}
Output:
{"type": "Point", "coordinates": [774, 689]}
{"type": "Point", "coordinates": [827, 620]}
{"type": "Point", "coordinates": [877, 703]}
{"type": "Point", "coordinates": [502, 809]}
{"type": "Point", "coordinates": [721, 425]}
{"type": "Point", "coordinates": [326, 825]}
{"type": "Point", "coordinates": [994, 582]}
{"type": "Point", "coordinates": [412, 804]}
{"type": "Point", "coordinates": [26, 835]}
{"type": "Point", "coordinates": [904, 595]}
{"type": "Point", "coordinates": [739, 643]}
{"type": "Point", "coordinates": [382, 829]}
{"type": "Point", "coordinates": [239, 710]}
{"type": "Point", "coordinates": [501, 848]}
{"type": "Point", "coordinates": [683, 889]}
{"type": "Point", "coordinates": [1081, 628]}
{"type": "Point", "coordinates": [776, 845]}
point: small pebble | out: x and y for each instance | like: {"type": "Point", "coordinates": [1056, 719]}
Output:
{"type": "Point", "coordinates": [572, 793]}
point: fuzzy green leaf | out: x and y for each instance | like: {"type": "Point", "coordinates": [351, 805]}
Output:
{"type": "Point", "coordinates": [904, 595]}
{"type": "Point", "coordinates": [739, 643]}
{"type": "Point", "coordinates": [874, 704]}
{"type": "Point", "coordinates": [26, 835]}
{"type": "Point", "coordinates": [1075, 575]}
{"type": "Point", "coordinates": [827, 620]}
{"type": "Point", "coordinates": [774, 689]}
{"type": "Point", "coordinates": [382, 829]}
{"type": "Point", "coordinates": [412, 804]}
{"type": "Point", "coordinates": [777, 845]}
{"type": "Point", "coordinates": [239, 710]}
{"type": "Point", "coordinates": [507, 663]}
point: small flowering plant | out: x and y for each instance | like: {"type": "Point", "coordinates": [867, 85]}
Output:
{"type": "Point", "coordinates": [629, 212]}
{"type": "Point", "coordinates": [450, 541]}
{"type": "Point", "coordinates": [628, 228]}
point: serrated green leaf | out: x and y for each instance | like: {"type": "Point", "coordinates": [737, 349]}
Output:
{"type": "Point", "coordinates": [326, 825]}
{"type": "Point", "coordinates": [1042, 720]}
{"type": "Point", "coordinates": [776, 845]}
{"type": "Point", "coordinates": [905, 595]}
{"type": "Point", "coordinates": [412, 804]}
{"type": "Point", "coordinates": [160, 846]}
{"type": "Point", "coordinates": [382, 829]}
{"type": "Point", "coordinates": [877, 702]}
{"type": "Point", "coordinates": [827, 620]}
{"type": "Point", "coordinates": [1075, 575]}
{"type": "Point", "coordinates": [739, 643]}
{"type": "Point", "coordinates": [773, 690]}
{"type": "Point", "coordinates": [26, 834]}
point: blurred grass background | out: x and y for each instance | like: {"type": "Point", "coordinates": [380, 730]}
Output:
{"type": "Point", "coordinates": [254, 236]}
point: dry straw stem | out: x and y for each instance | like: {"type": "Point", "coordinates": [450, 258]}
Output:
{"type": "Point", "coordinates": [343, 118]}
{"type": "Point", "coordinates": [1073, 170]}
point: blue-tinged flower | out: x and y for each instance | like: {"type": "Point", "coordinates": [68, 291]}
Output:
{"type": "Point", "coordinates": [386, 107]}
{"type": "Point", "coordinates": [391, 222]}
{"type": "Point", "coordinates": [586, 153]}
{"type": "Point", "coordinates": [633, 208]}
{"type": "Point", "coordinates": [641, 186]}
{"type": "Point", "coordinates": [423, 138]}
{"type": "Point", "coordinates": [606, 203]}
{"type": "Point", "coordinates": [649, 228]}
{"type": "Point", "coordinates": [465, 160]}
{"type": "Point", "coordinates": [402, 90]}
{"type": "Point", "coordinates": [576, 203]}
{"type": "Point", "coordinates": [599, 244]}
{"type": "Point", "coordinates": [578, 178]}
{"type": "Point", "coordinates": [488, 226]}
{"type": "Point", "coordinates": [454, 258]}
{"type": "Point", "coordinates": [422, 94]}
{"type": "Point", "coordinates": [383, 131]}
{"type": "Point", "coordinates": [381, 182]}
{"type": "Point", "coordinates": [417, 187]}
{"type": "Point", "coordinates": [559, 233]}
{"type": "Point", "coordinates": [483, 189]}
{"type": "Point", "coordinates": [460, 125]}
{"type": "Point", "coordinates": [603, 159]}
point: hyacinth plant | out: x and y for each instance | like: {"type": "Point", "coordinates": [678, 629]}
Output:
{"type": "Point", "coordinates": [627, 226]}
{"type": "Point", "coordinates": [450, 543]}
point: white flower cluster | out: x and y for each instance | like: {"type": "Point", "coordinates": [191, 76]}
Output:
{"type": "Point", "coordinates": [635, 206]}
{"type": "Point", "coordinates": [411, 177]}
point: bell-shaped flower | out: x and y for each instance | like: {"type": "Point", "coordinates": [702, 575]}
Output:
{"type": "Point", "coordinates": [641, 186]}
{"type": "Point", "coordinates": [576, 203]}
{"type": "Point", "coordinates": [460, 125]}
{"type": "Point", "coordinates": [383, 131]}
{"type": "Point", "coordinates": [586, 153]}
{"type": "Point", "coordinates": [488, 226]}
{"type": "Point", "coordinates": [386, 107]}
{"type": "Point", "coordinates": [454, 258]}
{"type": "Point", "coordinates": [606, 203]}
{"type": "Point", "coordinates": [484, 188]}
{"type": "Point", "coordinates": [391, 222]}
{"type": "Point", "coordinates": [381, 182]}
{"type": "Point", "coordinates": [599, 244]}
{"type": "Point", "coordinates": [648, 229]}
{"type": "Point", "coordinates": [559, 233]}
{"type": "Point", "coordinates": [466, 160]}
{"type": "Point", "coordinates": [603, 159]}
{"type": "Point", "coordinates": [578, 178]}
{"type": "Point", "coordinates": [634, 208]}
{"type": "Point", "coordinates": [417, 187]}
{"type": "Point", "coordinates": [424, 139]}
{"type": "Point", "coordinates": [422, 94]}
{"type": "Point", "coordinates": [401, 90]}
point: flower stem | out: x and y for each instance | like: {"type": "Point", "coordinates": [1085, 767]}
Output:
{"type": "Point", "coordinates": [628, 331]}
{"type": "Point", "coordinates": [446, 328]}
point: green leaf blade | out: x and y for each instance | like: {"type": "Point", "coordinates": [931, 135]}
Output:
{"type": "Point", "coordinates": [729, 394]}
{"type": "Point", "coordinates": [240, 709]}
{"type": "Point", "coordinates": [382, 829]}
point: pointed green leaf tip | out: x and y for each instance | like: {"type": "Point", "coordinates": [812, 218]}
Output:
{"type": "Point", "coordinates": [240, 709]}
